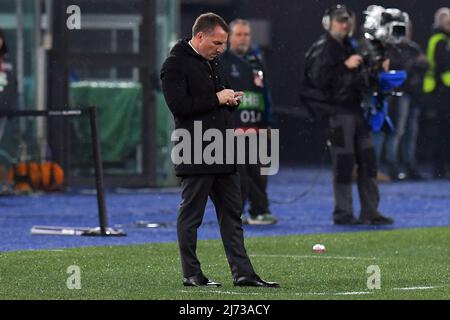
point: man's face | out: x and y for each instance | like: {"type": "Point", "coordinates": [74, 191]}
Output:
{"type": "Point", "coordinates": [212, 45]}
{"type": "Point", "coordinates": [447, 24]}
{"type": "Point", "coordinates": [240, 38]}
{"type": "Point", "coordinates": [1, 42]}
{"type": "Point", "coordinates": [340, 27]}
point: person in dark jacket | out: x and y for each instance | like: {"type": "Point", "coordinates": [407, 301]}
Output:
{"type": "Point", "coordinates": [7, 77]}
{"type": "Point", "coordinates": [196, 93]}
{"type": "Point", "coordinates": [335, 84]}
{"type": "Point", "coordinates": [437, 85]}
{"type": "Point", "coordinates": [245, 72]}
{"type": "Point", "coordinates": [8, 94]}
{"type": "Point", "coordinates": [405, 109]}
{"type": "Point", "coordinates": [8, 85]}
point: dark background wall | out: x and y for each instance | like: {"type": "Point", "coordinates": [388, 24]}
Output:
{"type": "Point", "coordinates": [294, 26]}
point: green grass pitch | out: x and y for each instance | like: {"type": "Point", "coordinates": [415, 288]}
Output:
{"type": "Point", "coordinates": [413, 264]}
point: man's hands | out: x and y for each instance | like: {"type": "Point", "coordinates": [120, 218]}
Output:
{"type": "Point", "coordinates": [229, 98]}
{"type": "Point", "coordinates": [354, 61]}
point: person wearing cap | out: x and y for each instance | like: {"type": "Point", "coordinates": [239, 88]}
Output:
{"type": "Point", "coordinates": [437, 85]}
{"type": "Point", "coordinates": [334, 86]}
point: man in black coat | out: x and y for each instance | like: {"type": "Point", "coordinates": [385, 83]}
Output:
{"type": "Point", "coordinates": [196, 92]}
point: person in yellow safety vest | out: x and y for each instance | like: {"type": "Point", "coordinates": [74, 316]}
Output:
{"type": "Point", "coordinates": [438, 52]}
{"type": "Point", "coordinates": [437, 84]}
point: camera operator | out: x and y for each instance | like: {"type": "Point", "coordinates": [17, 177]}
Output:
{"type": "Point", "coordinates": [335, 84]}
{"type": "Point", "coordinates": [386, 37]}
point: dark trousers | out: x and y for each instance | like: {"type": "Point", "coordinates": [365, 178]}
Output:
{"type": "Point", "coordinates": [441, 141]}
{"type": "Point", "coordinates": [441, 152]}
{"type": "Point", "coordinates": [224, 191]}
{"type": "Point", "coordinates": [351, 143]}
{"type": "Point", "coordinates": [253, 188]}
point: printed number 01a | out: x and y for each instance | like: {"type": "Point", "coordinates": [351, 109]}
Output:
{"type": "Point", "coordinates": [250, 116]}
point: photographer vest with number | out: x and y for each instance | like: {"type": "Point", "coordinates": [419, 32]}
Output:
{"type": "Point", "coordinates": [246, 73]}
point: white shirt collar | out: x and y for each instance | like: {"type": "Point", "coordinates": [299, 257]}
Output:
{"type": "Point", "coordinates": [190, 43]}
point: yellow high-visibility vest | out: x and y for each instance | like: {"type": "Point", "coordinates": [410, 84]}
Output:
{"type": "Point", "coordinates": [430, 81]}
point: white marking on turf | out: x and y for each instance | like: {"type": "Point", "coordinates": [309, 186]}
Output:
{"type": "Point", "coordinates": [350, 293]}
{"type": "Point", "coordinates": [415, 288]}
{"type": "Point", "coordinates": [310, 257]}
{"type": "Point", "coordinates": [223, 292]}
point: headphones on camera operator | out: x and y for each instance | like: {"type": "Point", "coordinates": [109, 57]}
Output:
{"type": "Point", "coordinates": [328, 15]}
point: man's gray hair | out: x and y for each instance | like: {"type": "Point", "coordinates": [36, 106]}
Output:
{"type": "Point", "coordinates": [238, 21]}
{"type": "Point", "coordinates": [441, 16]}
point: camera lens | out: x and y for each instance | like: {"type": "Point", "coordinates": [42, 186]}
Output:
{"type": "Point", "coordinates": [398, 31]}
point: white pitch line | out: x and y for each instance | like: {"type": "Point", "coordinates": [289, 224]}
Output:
{"type": "Point", "coordinates": [422, 287]}
{"type": "Point", "coordinates": [414, 288]}
{"type": "Point", "coordinates": [223, 292]}
{"type": "Point", "coordinates": [350, 293]}
{"type": "Point", "coordinates": [310, 257]}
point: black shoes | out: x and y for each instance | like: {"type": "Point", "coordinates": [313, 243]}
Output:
{"type": "Point", "coordinates": [411, 174]}
{"type": "Point", "coordinates": [441, 174]}
{"type": "Point", "coordinates": [254, 281]}
{"type": "Point", "coordinates": [378, 220]}
{"type": "Point", "coordinates": [414, 174]}
{"type": "Point", "coordinates": [200, 281]}
{"type": "Point", "coordinates": [246, 281]}
{"type": "Point", "coordinates": [347, 220]}
{"type": "Point", "coordinates": [395, 174]}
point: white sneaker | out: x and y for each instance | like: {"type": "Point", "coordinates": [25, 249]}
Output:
{"type": "Point", "coordinates": [262, 219]}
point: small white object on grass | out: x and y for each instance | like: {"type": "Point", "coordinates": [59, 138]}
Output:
{"type": "Point", "coordinates": [319, 248]}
